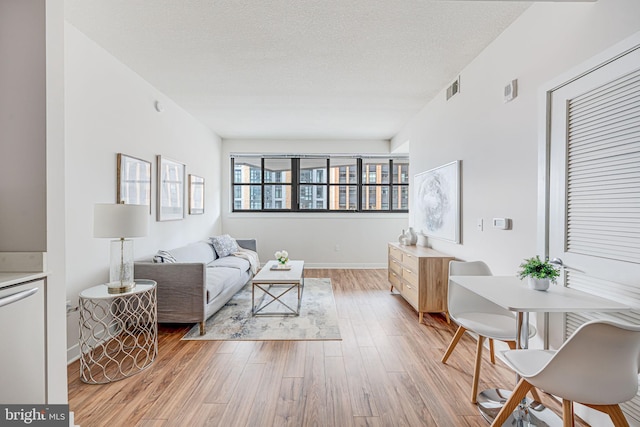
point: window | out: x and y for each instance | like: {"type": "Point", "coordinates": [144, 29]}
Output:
{"type": "Point", "coordinates": [313, 183]}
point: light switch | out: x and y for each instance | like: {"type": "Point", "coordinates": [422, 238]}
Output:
{"type": "Point", "coordinates": [479, 224]}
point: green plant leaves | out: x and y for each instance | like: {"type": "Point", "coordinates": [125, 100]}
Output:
{"type": "Point", "coordinates": [535, 267]}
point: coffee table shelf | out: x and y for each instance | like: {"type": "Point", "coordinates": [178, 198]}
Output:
{"type": "Point", "coordinates": [274, 285]}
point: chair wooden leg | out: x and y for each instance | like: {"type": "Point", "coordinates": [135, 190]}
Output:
{"type": "Point", "coordinates": [536, 396]}
{"type": "Point", "coordinates": [476, 370]}
{"type": "Point", "coordinates": [203, 328]}
{"type": "Point", "coordinates": [614, 412]}
{"type": "Point", "coordinates": [616, 415]}
{"type": "Point", "coordinates": [454, 341]}
{"type": "Point", "coordinates": [518, 394]}
{"type": "Point", "coordinates": [511, 344]}
{"type": "Point", "coordinates": [492, 353]}
{"type": "Point", "coordinates": [567, 413]}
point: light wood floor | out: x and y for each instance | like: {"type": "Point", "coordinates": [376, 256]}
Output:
{"type": "Point", "coordinates": [386, 371]}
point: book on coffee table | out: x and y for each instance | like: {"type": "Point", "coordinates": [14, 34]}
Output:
{"type": "Point", "coordinates": [280, 267]}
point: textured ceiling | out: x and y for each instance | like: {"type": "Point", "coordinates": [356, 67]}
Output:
{"type": "Point", "coordinates": [309, 69]}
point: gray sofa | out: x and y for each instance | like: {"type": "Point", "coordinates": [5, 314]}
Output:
{"type": "Point", "coordinates": [197, 283]}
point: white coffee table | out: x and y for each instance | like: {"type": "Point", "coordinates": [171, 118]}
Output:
{"type": "Point", "coordinates": [275, 284]}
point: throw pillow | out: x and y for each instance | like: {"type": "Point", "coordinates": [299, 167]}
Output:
{"type": "Point", "coordinates": [164, 257]}
{"type": "Point", "coordinates": [224, 245]}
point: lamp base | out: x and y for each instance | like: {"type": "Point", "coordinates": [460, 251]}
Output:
{"type": "Point", "coordinates": [120, 288]}
{"type": "Point", "coordinates": [121, 267]}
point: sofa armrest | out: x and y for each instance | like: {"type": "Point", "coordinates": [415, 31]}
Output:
{"type": "Point", "coordinates": [181, 289]}
{"type": "Point", "coordinates": [250, 244]}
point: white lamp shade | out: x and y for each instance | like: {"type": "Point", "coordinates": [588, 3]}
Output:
{"type": "Point", "coordinates": [120, 220]}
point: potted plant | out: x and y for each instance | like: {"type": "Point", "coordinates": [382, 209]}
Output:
{"type": "Point", "coordinates": [540, 273]}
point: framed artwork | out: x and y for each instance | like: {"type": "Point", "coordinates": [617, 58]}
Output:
{"type": "Point", "coordinates": [196, 195]}
{"type": "Point", "coordinates": [437, 202]}
{"type": "Point", "coordinates": [133, 181]}
{"type": "Point", "coordinates": [171, 176]}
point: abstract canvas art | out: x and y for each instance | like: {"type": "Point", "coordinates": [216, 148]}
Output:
{"type": "Point", "coordinates": [437, 202]}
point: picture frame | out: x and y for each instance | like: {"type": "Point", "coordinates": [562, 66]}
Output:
{"type": "Point", "coordinates": [133, 180]}
{"type": "Point", "coordinates": [170, 189]}
{"type": "Point", "coordinates": [196, 195]}
{"type": "Point", "coordinates": [437, 202]}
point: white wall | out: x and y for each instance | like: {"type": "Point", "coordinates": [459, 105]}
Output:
{"type": "Point", "coordinates": [110, 109]}
{"type": "Point", "coordinates": [361, 238]}
{"type": "Point", "coordinates": [496, 141]}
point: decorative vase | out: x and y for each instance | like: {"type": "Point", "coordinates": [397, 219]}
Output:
{"type": "Point", "coordinates": [411, 236]}
{"type": "Point", "coordinates": [538, 284]}
{"type": "Point", "coordinates": [402, 238]}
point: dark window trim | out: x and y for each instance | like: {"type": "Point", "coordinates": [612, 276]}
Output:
{"type": "Point", "coordinates": [296, 184]}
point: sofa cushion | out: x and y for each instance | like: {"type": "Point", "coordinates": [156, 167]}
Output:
{"type": "Point", "coordinates": [231, 262]}
{"type": "Point", "coordinates": [224, 245]}
{"type": "Point", "coordinates": [193, 252]}
{"type": "Point", "coordinates": [219, 279]}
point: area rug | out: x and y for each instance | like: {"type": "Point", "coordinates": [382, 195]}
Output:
{"type": "Point", "coordinates": [318, 319]}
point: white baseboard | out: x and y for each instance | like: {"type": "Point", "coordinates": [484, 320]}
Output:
{"type": "Point", "coordinates": [73, 353]}
{"type": "Point", "coordinates": [354, 266]}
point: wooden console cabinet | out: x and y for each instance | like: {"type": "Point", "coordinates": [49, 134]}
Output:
{"type": "Point", "coordinates": [421, 275]}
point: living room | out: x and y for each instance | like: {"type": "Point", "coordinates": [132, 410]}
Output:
{"type": "Point", "coordinates": [98, 107]}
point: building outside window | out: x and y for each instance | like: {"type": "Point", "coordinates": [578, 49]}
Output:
{"type": "Point", "coordinates": [317, 183]}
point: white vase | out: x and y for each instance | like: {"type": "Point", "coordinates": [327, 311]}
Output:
{"type": "Point", "coordinates": [411, 236]}
{"type": "Point", "coordinates": [402, 238]}
{"type": "Point", "coordinates": [538, 284]}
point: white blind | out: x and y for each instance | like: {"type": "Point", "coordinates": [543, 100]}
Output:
{"type": "Point", "coordinates": [603, 188]}
{"type": "Point", "coordinates": [603, 193]}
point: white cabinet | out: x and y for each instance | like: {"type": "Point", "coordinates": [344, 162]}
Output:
{"type": "Point", "coordinates": [22, 334]}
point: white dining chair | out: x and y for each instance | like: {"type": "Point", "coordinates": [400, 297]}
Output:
{"type": "Point", "coordinates": [475, 314]}
{"type": "Point", "coordinates": [597, 367]}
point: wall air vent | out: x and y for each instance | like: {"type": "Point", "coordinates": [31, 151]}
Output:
{"type": "Point", "coordinates": [453, 88]}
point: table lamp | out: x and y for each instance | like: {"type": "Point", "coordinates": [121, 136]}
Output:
{"type": "Point", "coordinates": [120, 221]}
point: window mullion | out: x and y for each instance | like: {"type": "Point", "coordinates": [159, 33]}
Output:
{"type": "Point", "coordinates": [390, 186]}
{"type": "Point", "coordinates": [262, 187]}
{"type": "Point", "coordinates": [359, 184]}
{"type": "Point", "coordinates": [295, 180]}
{"type": "Point", "coordinates": [326, 186]}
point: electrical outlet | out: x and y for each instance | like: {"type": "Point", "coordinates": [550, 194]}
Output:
{"type": "Point", "coordinates": [71, 308]}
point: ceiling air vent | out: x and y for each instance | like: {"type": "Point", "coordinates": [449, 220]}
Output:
{"type": "Point", "coordinates": [453, 88]}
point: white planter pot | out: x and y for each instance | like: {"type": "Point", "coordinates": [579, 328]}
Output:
{"type": "Point", "coordinates": [539, 284]}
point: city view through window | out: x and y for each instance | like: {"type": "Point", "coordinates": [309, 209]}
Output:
{"type": "Point", "coordinates": [312, 184]}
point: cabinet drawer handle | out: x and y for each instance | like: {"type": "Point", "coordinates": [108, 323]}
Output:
{"type": "Point", "coordinates": [10, 299]}
{"type": "Point", "coordinates": [408, 271]}
{"type": "Point", "coordinates": [409, 286]}
{"type": "Point", "coordinates": [394, 274]}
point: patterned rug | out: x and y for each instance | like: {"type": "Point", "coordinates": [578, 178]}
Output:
{"type": "Point", "coordinates": [318, 318]}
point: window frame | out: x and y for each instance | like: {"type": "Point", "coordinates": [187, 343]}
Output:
{"type": "Point", "coordinates": [295, 185]}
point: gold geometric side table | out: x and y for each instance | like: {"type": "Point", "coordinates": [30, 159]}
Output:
{"type": "Point", "coordinates": [118, 332]}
